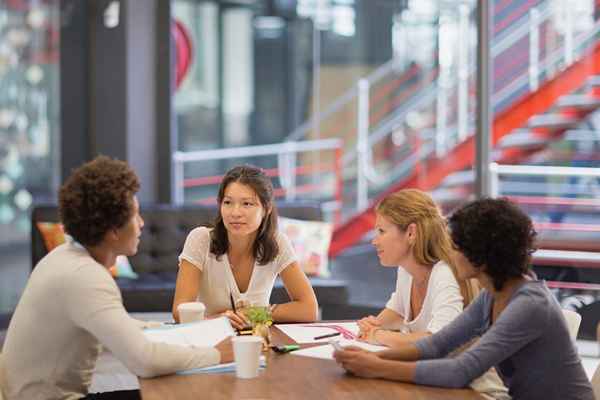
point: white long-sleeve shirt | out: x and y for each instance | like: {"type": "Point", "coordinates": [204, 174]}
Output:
{"type": "Point", "coordinates": [70, 306]}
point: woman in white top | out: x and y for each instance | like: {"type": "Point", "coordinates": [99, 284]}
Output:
{"type": "Point", "coordinates": [411, 234]}
{"type": "Point", "coordinates": [235, 263]}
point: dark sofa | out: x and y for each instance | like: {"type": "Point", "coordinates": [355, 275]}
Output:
{"type": "Point", "coordinates": [163, 236]}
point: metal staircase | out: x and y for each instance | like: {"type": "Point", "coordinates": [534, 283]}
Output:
{"type": "Point", "coordinates": [528, 116]}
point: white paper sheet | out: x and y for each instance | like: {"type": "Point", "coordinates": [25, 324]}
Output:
{"type": "Point", "coordinates": [220, 368]}
{"type": "Point", "coordinates": [200, 333]}
{"type": "Point", "coordinates": [326, 352]}
{"type": "Point", "coordinates": [306, 333]}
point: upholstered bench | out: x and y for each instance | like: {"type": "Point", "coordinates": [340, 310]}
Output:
{"type": "Point", "coordinates": [163, 236]}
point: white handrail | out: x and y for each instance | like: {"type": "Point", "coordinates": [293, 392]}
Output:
{"type": "Point", "coordinates": [542, 170]}
{"type": "Point", "coordinates": [286, 159]}
{"type": "Point", "coordinates": [535, 170]}
{"type": "Point", "coordinates": [566, 255]}
{"type": "Point", "coordinates": [252, 151]}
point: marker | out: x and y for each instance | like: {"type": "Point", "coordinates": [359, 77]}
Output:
{"type": "Point", "coordinates": [327, 336]}
{"type": "Point", "coordinates": [286, 348]}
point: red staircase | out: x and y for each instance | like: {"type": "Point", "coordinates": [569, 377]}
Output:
{"type": "Point", "coordinates": [527, 121]}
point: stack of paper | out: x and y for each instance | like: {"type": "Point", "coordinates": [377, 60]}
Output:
{"type": "Point", "coordinates": [206, 333]}
{"type": "Point", "coordinates": [326, 352]}
{"type": "Point", "coordinates": [309, 333]}
{"type": "Point", "coordinates": [219, 369]}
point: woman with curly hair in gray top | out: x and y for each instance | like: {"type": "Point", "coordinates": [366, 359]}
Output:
{"type": "Point", "coordinates": [522, 328]}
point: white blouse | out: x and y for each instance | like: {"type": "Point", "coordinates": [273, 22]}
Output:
{"type": "Point", "coordinates": [443, 301]}
{"type": "Point", "coordinates": [217, 280]}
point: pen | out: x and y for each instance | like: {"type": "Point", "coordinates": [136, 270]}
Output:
{"type": "Point", "coordinates": [326, 336]}
{"type": "Point", "coordinates": [232, 303]}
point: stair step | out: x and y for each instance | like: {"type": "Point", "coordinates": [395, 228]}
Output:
{"type": "Point", "coordinates": [593, 81]}
{"type": "Point", "coordinates": [458, 178]}
{"type": "Point", "coordinates": [447, 196]}
{"type": "Point", "coordinates": [522, 138]}
{"type": "Point", "coordinates": [581, 135]}
{"type": "Point", "coordinates": [579, 101]}
{"type": "Point", "coordinates": [552, 121]}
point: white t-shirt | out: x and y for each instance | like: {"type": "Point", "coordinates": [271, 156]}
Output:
{"type": "Point", "coordinates": [443, 300]}
{"type": "Point", "coordinates": [217, 280]}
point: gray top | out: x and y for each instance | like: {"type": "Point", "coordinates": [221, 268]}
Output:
{"type": "Point", "coordinates": [529, 345]}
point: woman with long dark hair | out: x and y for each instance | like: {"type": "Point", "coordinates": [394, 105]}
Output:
{"type": "Point", "coordinates": [235, 263]}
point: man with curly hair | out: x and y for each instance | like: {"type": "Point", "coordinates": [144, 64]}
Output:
{"type": "Point", "coordinates": [522, 328]}
{"type": "Point", "coordinates": [71, 304]}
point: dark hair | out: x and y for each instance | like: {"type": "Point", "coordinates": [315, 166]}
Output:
{"type": "Point", "coordinates": [96, 198]}
{"type": "Point", "coordinates": [265, 247]}
{"type": "Point", "coordinates": [496, 234]}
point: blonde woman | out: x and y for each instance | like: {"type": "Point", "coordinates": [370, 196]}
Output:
{"type": "Point", "coordinates": [411, 234]}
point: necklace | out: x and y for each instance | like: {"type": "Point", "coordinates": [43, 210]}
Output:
{"type": "Point", "coordinates": [422, 282]}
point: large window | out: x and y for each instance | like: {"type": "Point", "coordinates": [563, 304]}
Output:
{"type": "Point", "coordinates": [29, 118]}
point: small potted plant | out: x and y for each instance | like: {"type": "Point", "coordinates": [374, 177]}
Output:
{"type": "Point", "coordinates": [260, 318]}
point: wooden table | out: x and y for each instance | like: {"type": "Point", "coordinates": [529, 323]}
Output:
{"type": "Point", "coordinates": [291, 377]}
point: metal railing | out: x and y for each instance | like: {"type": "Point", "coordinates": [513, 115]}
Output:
{"type": "Point", "coordinates": [445, 94]}
{"type": "Point", "coordinates": [588, 259]}
{"type": "Point", "coordinates": [496, 170]}
{"type": "Point", "coordinates": [287, 165]}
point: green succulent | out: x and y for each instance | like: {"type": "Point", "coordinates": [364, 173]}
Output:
{"type": "Point", "coordinates": [259, 315]}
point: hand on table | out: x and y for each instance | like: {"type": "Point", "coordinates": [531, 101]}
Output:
{"type": "Point", "coordinates": [367, 327]}
{"type": "Point", "coordinates": [238, 320]}
{"type": "Point", "coordinates": [226, 349]}
{"type": "Point", "coordinates": [358, 362]}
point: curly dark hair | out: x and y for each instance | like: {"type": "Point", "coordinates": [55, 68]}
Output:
{"type": "Point", "coordinates": [496, 234]}
{"type": "Point", "coordinates": [97, 197]}
{"type": "Point", "coordinates": [265, 247]}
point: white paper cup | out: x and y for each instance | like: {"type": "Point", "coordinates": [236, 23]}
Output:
{"type": "Point", "coordinates": [190, 312]}
{"type": "Point", "coordinates": [246, 352]}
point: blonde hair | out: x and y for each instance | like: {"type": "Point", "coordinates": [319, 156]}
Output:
{"type": "Point", "coordinates": [433, 243]}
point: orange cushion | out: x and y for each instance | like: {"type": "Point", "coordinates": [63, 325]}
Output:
{"type": "Point", "coordinates": [53, 235]}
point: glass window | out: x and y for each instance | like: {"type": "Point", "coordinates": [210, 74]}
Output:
{"type": "Point", "coordinates": [29, 119]}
